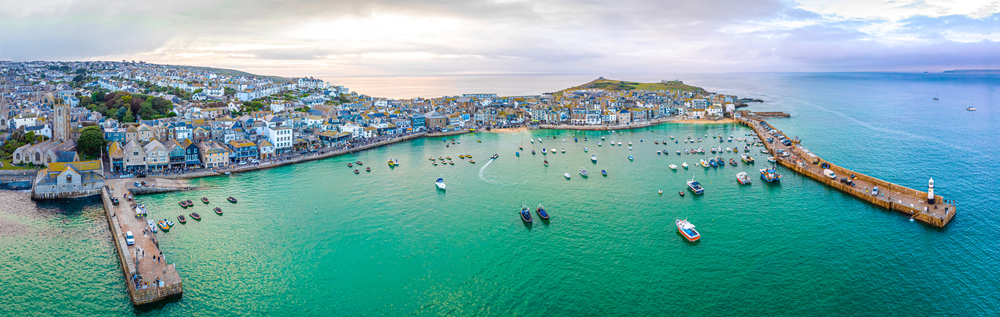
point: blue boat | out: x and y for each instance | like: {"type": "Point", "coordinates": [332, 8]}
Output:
{"type": "Point", "coordinates": [695, 187]}
{"type": "Point", "coordinates": [518, 154]}
{"type": "Point", "coordinates": [712, 163]}
{"type": "Point", "coordinates": [604, 173]}
{"type": "Point", "coordinates": [770, 175]}
{"type": "Point", "coordinates": [575, 140]}
{"type": "Point", "coordinates": [630, 158]}
{"type": "Point", "coordinates": [525, 214]}
{"type": "Point", "coordinates": [541, 212]}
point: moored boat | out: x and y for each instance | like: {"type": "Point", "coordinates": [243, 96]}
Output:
{"type": "Point", "coordinates": [732, 162]}
{"type": "Point", "coordinates": [604, 173]}
{"type": "Point", "coordinates": [181, 219]}
{"type": "Point", "coordinates": [195, 216]}
{"type": "Point", "coordinates": [746, 158]}
{"type": "Point", "coordinates": [204, 200]}
{"type": "Point", "coordinates": [593, 158]}
{"type": "Point", "coordinates": [583, 173]}
{"type": "Point", "coordinates": [742, 178]}
{"type": "Point", "coordinates": [566, 175]}
{"type": "Point", "coordinates": [546, 162]}
{"type": "Point", "coordinates": [631, 158]}
{"type": "Point", "coordinates": [541, 212]}
{"type": "Point", "coordinates": [525, 214]}
{"type": "Point", "coordinates": [368, 169]}
{"type": "Point", "coordinates": [770, 174]}
{"type": "Point", "coordinates": [440, 184]}
{"type": "Point", "coordinates": [217, 210]}
{"type": "Point", "coordinates": [684, 165]}
{"type": "Point", "coordinates": [472, 161]}
{"type": "Point", "coordinates": [695, 187]}
{"type": "Point", "coordinates": [231, 199]}
{"type": "Point", "coordinates": [359, 162]}
{"type": "Point", "coordinates": [771, 159]}
{"type": "Point", "coordinates": [673, 167]}
{"type": "Point", "coordinates": [356, 171]}
{"type": "Point", "coordinates": [681, 192]}
{"type": "Point", "coordinates": [687, 230]}
{"type": "Point", "coordinates": [349, 164]}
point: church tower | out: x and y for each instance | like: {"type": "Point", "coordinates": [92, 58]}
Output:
{"type": "Point", "coordinates": [60, 122]}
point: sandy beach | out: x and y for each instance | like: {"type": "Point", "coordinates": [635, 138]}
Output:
{"type": "Point", "coordinates": [705, 121]}
{"type": "Point", "coordinates": [509, 130]}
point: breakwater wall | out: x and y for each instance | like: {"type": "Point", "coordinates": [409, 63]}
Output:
{"type": "Point", "coordinates": [765, 114]}
{"type": "Point", "coordinates": [605, 127]}
{"type": "Point", "coordinates": [17, 179]}
{"type": "Point", "coordinates": [908, 201]}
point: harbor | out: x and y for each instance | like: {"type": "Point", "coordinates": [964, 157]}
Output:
{"type": "Point", "coordinates": [921, 206]}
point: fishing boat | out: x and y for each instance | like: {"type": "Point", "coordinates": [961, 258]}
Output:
{"type": "Point", "coordinates": [771, 159]}
{"type": "Point", "coordinates": [770, 174]}
{"type": "Point", "coordinates": [687, 230]}
{"type": "Point", "coordinates": [349, 164]}
{"type": "Point", "coordinates": [231, 199]}
{"type": "Point", "coordinates": [440, 184]}
{"type": "Point", "coordinates": [204, 200]}
{"type": "Point", "coordinates": [746, 159]}
{"type": "Point", "coordinates": [181, 219]}
{"type": "Point", "coordinates": [195, 216]}
{"type": "Point", "coordinates": [584, 173]}
{"type": "Point", "coordinates": [604, 173]}
{"type": "Point", "coordinates": [368, 169]}
{"type": "Point", "coordinates": [546, 162]}
{"type": "Point", "coordinates": [525, 214]}
{"type": "Point", "coordinates": [541, 212]}
{"type": "Point", "coordinates": [732, 162]}
{"type": "Point", "coordinates": [742, 178]}
{"type": "Point", "coordinates": [593, 158]}
{"type": "Point", "coordinates": [631, 158]}
{"type": "Point", "coordinates": [713, 163]}
{"type": "Point", "coordinates": [359, 162]}
{"type": "Point", "coordinates": [695, 187]}
{"type": "Point", "coordinates": [684, 165]}
{"type": "Point", "coordinates": [217, 210]}
{"type": "Point", "coordinates": [673, 167]}
{"type": "Point", "coordinates": [356, 171]}
{"type": "Point", "coordinates": [566, 175]}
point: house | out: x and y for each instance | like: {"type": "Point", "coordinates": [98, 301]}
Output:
{"type": "Point", "coordinates": [192, 153]}
{"type": "Point", "coordinates": [435, 120]}
{"type": "Point", "coordinates": [145, 133]}
{"type": "Point", "coordinates": [114, 134]}
{"type": "Point", "coordinates": [135, 156]}
{"type": "Point", "coordinates": [42, 129]}
{"type": "Point", "coordinates": [280, 137]}
{"type": "Point", "coordinates": [624, 116]}
{"type": "Point", "coordinates": [266, 149]}
{"type": "Point", "coordinates": [157, 157]}
{"type": "Point", "coordinates": [117, 156]}
{"type": "Point", "coordinates": [175, 152]}
{"type": "Point", "coordinates": [243, 150]}
{"type": "Point", "coordinates": [213, 155]}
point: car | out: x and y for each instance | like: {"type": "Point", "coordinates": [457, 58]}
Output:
{"type": "Point", "coordinates": [243, 162]}
{"type": "Point", "coordinates": [129, 238]}
{"type": "Point", "coordinates": [254, 161]}
{"type": "Point", "coordinates": [137, 184]}
{"type": "Point", "coordinates": [875, 191]}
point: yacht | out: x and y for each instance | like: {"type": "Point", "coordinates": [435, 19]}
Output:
{"type": "Point", "coordinates": [440, 183]}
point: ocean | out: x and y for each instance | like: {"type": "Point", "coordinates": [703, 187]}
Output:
{"type": "Point", "coordinates": [316, 239]}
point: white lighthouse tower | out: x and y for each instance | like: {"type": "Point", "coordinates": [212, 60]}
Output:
{"type": "Point", "coordinates": [930, 191]}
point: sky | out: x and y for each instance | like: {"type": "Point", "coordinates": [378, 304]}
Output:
{"type": "Point", "coordinates": [453, 37]}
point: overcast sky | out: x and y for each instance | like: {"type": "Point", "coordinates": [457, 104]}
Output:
{"type": "Point", "coordinates": [434, 37]}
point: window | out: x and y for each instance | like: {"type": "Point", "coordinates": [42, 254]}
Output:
{"type": "Point", "coordinates": [69, 178]}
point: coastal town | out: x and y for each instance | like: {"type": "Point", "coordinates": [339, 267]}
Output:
{"type": "Point", "coordinates": [81, 123]}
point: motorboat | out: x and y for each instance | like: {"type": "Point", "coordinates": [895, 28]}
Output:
{"type": "Point", "coordinates": [619, 142]}
{"type": "Point", "coordinates": [563, 150]}
{"type": "Point", "coordinates": [746, 159]}
{"type": "Point", "coordinates": [673, 167]}
{"type": "Point", "coordinates": [440, 184]}
{"type": "Point", "coordinates": [368, 169]}
{"type": "Point", "coordinates": [356, 171]}
{"type": "Point", "coordinates": [447, 157]}
{"type": "Point", "coordinates": [695, 187]}
{"type": "Point", "coordinates": [659, 191]}
{"type": "Point", "coordinates": [658, 152]}
{"type": "Point", "coordinates": [629, 143]}
{"type": "Point", "coordinates": [541, 212]}
{"type": "Point", "coordinates": [771, 159]}
{"type": "Point", "coordinates": [359, 162]}
{"type": "Point", "coordinates": [204, 200]}
{"type": "Point", "coordinates": [742, 178]}
{"type": "Point", "coordinates": [585, 150]}
{"type": "Point", "coordinates": [770, 174]}
{"type": "Point", "coordinates": [518, 154]}
{"type": "Point", "coordinates": [684, 165]}
{"type": "Point", "coordinates": [680, 192]}
{"type": "Point", "coordinates": [678, 152]}
{"type": "Point", "coordinates": [687, 230]}
{"type": "Point", "coordinates": [732, 162]}
{"type": "Point", "coordinates": [495, 156]}
{"type": "Point", "coordinates": [713, 163]}
{"type": "Point", "coordinates": [566, 175]}
{"type": "Point", "coordinates": [703, 163]}
{"type": "Point", "coordinates": [543, 151]}
{"type": "Point", "coordinates": [349, 164]}
{"type": "Point", "coordinates": [525, 214]}
{"type": "Point", "coordinates": [472, 161]}
{"type": "Point", "coordinates": [629, 148]}
{"type": "Point", "coordinates": [151, 225]}
{"type": "Point", "coordinates": [598, 143]}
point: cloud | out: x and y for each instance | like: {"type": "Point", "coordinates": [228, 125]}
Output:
{"type": "Point", "coordinates": [426, 37]}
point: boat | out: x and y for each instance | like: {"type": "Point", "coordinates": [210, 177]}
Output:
{"type": "Point", "coordinates": [671, 137]}
{"type": "Point", "coordinates": [629, 148]}
{"type": "Point", "coordinates": [543, 151]}
{"type": "Point", "coordinates": [629, 143]}
{"type": "Point", "coordinates": [349, 164]}
{"type": "Point", "coordinates": [525, 214]}
{"type": "Point", "coordinates": [583, 173]}
{"type": "Point", "coordinates": [204, 200]}
{"type": "Point", "coordinates": [585, 150]}
{"type": "Point", "coordinates": [447, 157]}
{"type": "Point", "coordinates": [684, 165]}
{"type": "Point", "coordinates": [681, 192]}
{"type": "Point", "coordinates": [468, 156]}
{"type": "Point", "coordinates": [703, 163]}
{"type": "Point", "coordinates": [604, 173]}
{"type": "Point", "coordinates": [181, 219]}
{"type": "Point", "coordinates": [539, 140]}
{"type": "Point", "coordinates": [461, 156]}
{"type": "Point", "coordinates": [712, 163]}
{"type": "Point", "coordinates": [440, 183]}
{"type": "Point", "coordinates": [163, 225]}
{"type": "Point", "coordinates": [472, 161]}
{"type": "Point", "coordinates": [217, 210]}
{"type": "Point", "coordinates": [495, 156]}
{"type": "Point", "coordinates": [439, 158]}
{"type": "Point", "coordinates": [151, 225]}
{"type": "Point", "coordinates": [678, 152]}
{"type": "Point", "coordinates": [746, 159]}
{"type": "Point", "coordinates": [660, 191]}
{"type": "Point", "coordinates": [553, 151]}
{"type": "Point", "coordinates": [368, 169]}
{"type": "Point", "coordinates": [673, 167]}
{"type": "Point", "coordinates": [695, 187]}
{"type": "Point", "coordinates": [658, 152]}
{"type": "Point", "coordinates": [546, 162]}
{"type": "Point", "coordinates": [770, 174]}
{"type": "Point", "coordinates": [359, 162]}
{"type": "Point", "coordinates": [742, 178]}
{"type": "Point", "coordinates": [356, 171]}
{"type": "Point", "coordinates": [479, 141]}
{"type": "Point", "coordinates": [602, 138]}
{"type": "Point", "coordinates": [451, 162]}
{"type": "Point", "coordinates": [532, 151]}
{"type": "Point", "coordinates": [593, 158]}
{"type": "Point", "coordinates": [189, 203]}
{"type": "Point", "coordinates": [771, 159]}
{"type": "Point", "coordinates": [656, 142]}
{"type": "Point", "coordinates": [564, 140]}
{"type": "Point", "coordinates": [183, 204]}
{"type": "Point", "coordinates": [429, 158]}
{"type": "Point", "coordinates": [619, 142]}
{"type": "Point", "coordinates": [566, 175]}
{"type": "Point", "coordinates": [231, 199]}
{"type": "Point", "coordinates": [391, 163]}
{"type": "Point", "coordinates": [970, 109]}
{"type": "Point", "coordinates": [576, 140]}
{"type": "Point", "coordinates": [598, 143]}
{"type": "Point", "coordinates": [432, 163]}
{"type": "Point", "coordinates": [518, 154]}
{"type": "Point", "coordinates": [195, 216]}
{"type": "Point", "coordinates": [563, 150]}
{"type": "Point", "coordinates": [532, 141]}
{"type": "Point", "coordinates": [687, 230]}
{"type": "Point", "coordinates": [732, 162]}
{"type": "Point", "coordinates": [541, 212]}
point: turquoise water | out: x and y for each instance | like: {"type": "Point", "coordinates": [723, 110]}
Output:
{"type": "Point", "coordinates": [316, 239]}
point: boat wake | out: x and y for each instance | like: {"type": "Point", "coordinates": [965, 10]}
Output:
{"type": "Point", "coordinates": [482, 172]}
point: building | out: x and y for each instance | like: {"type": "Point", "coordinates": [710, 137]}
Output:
{"type": "Point", "coordinates": [117, 156]}
{"type": "Point", "coordinates": [435, 120]}
{"type": "Point", "coordinates": [157, 157]}
{"type": "Point", "coordinates": [213, 155]}
{"type": "Point", "coordinates": [135, 157]}
{"type": "Point", "coordinates": [60, 122]}
{"type": "Point", "coordinates": [280, 137]}
{"type": "Point", "coordinates": [243, 150]}
{"type": "Point", "coordinates": [192, 153]}
{"type": "Point", "coordinates": [69, 180]}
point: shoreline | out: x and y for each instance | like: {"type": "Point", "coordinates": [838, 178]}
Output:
{"type": "Point", "coordinates": [633, 126]}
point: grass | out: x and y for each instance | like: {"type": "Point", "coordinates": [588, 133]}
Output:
{"type": "Point", "coordinates": [8, 166]}
{"type": "Point", "coordinates": [619, 85]}
{"type": "Point", "coordinates": [232, 72]}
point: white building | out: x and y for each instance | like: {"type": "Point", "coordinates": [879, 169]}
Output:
{"type": "Point", "coordinates": [280, 137]}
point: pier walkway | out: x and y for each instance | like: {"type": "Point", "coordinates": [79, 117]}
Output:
{"type": "Point", "coordinates": [148, 279]}
{"type": "Point", "coordinates": [891, 196]}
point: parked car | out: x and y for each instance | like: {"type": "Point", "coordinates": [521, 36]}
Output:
{"type": "Point", "coordinates": [129, 239]}
{"type": "Point", "coordinates": [243, 162]}
{"type": "Point", "coordinates": [875, 191]}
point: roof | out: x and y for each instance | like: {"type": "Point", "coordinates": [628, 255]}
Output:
{"type": "Point", "coordinates": [115, 150]}
{"type": "Point", "coordinates": [77, 166]}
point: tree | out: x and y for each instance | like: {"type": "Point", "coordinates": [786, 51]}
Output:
{"type": "Point", "coordinates": [91, 141]}
{"type": "Point", "coordinates": [86, 101]}
{"type": "Point", "coordinates": [98, 96]}
{"type": "Point", "coordinates": [129, 117]}
{"type": "Point", "coordinates": [120, 114]}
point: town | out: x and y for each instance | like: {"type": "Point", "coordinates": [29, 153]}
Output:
{"type": "Point", "coordinates": [81, 123]}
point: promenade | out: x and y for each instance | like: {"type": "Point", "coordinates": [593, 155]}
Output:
{"type": "Point", "coordinates": [148, 275]}
{"type": "Point", "coordinates": [910, 202]}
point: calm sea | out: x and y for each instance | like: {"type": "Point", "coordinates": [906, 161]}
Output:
{"type": "Point", "coordinates": [316, 239]}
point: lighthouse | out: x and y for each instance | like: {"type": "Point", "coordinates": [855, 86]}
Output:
{"type": "Point", "coordinates": [930, 191]}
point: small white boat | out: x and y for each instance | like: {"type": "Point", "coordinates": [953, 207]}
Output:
{"type": "Point", "coordinates": [619, 142]}
{"type": "Point", "coordinates": [684, 165]}
{"type": "Point", "coordinates": [553, 151]}
{"type": "Point", "coordinates": [152, 226]}
{"type": "Point", "coordinates": [630, 148]}
{"type": "Point", "coordinates": [440, 183]}
{"type": "Point", "coordinates": [564, 140]}
{"type": "Point", "coordinates": [673, 167]}
{"type": "Point", "coordinates": [586, 150]}
{"type": "Point", "coordinates": [566, 175]}
{"type": "Point", "coordinates": [563, 150]}
{"type": "Point", "coordinates": [658, 152]}
{"type": "Point", "coordinates": [593, 158]}
{"type": "Point", "coordinates": [598, 143]}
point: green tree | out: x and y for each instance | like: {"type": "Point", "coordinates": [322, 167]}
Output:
{"type": "Point", "coordinates": [129, 117]}
{"type": "Point", "coordinates": [29, 137]}
{"type": "Point", "coordinates": [91, 141]}
{"type": "Point", "coordinates": [120, 113]}
{"type": "Point", "coordinates": [98, 96]}
{"type": "Point", "coordinates": [146, 110]}
{"type": "Point", "coordinates": [86, 101]}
